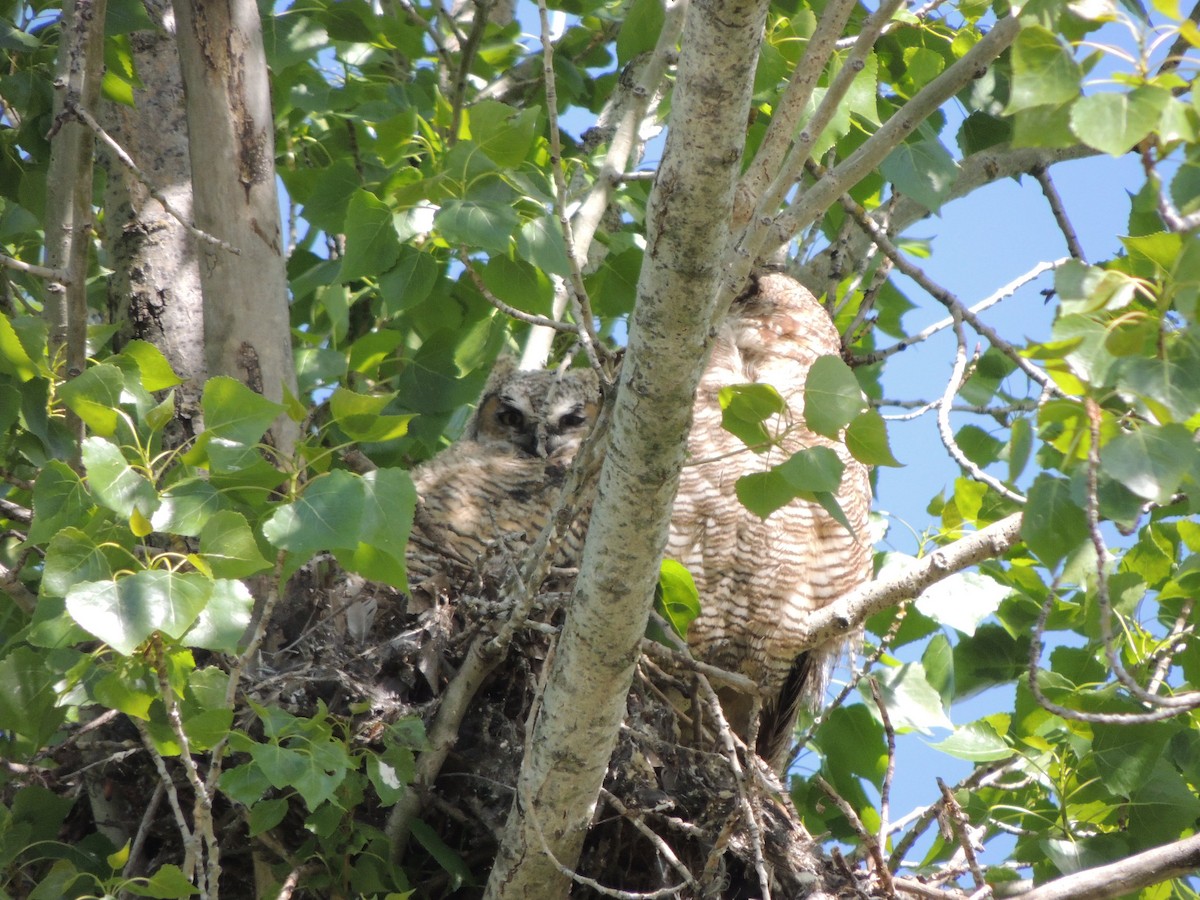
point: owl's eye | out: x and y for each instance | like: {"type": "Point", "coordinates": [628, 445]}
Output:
{"type": "Point", "coordinates": [571, 420]}
{"type": "Point", "coordinates": [510, 417]}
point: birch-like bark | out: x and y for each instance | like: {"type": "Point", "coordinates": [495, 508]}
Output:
{"type": "Point", "coordinates": [232, 138]}
{"type": "Point", "coordinates": [69, 183]}
{"type": "Point", "coordinates": [688, 218]}
{"type": "Point", "coordinates": [155, 293]}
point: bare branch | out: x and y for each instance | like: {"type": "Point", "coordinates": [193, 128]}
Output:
{"type": "Point", "coordinates": [126, 160]}
{"type": "Point", "coordinates": [957, 378]}
{"type": "Point", "coordinates": [58, 275]}
{"type": "Point", "coordinates": [1042, 174]}
{"type": "Point", "coordinates": [628, 108]}
{"type": "Point", "coordinates": [814, 201]}
{"type": "Point", "coordinates": [785, 117]}
{"type": "Point", "coordinates": [985, 167]}
{"type": "Point", "coordinates": [942, 295]}
{"type": "Point", "coordinates": [1118, 879]}
{"type": "Point", "coordinates": [555, 325]}
{"type": "Point", "coordinates": [841, 618]}
{"type": "Point", "coordinates": [925, 333]}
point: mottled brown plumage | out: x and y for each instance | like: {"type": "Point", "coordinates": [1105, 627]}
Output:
{"type": "Point", "coordinates": [759, 580]}
{"type": "Point", "coordinates": [500, 481]}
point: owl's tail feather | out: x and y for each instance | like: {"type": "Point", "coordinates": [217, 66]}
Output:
{"type": "Point", "coordinates": [778, 720]}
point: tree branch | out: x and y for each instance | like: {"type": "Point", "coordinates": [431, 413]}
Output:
{"type": "Point", "coordinates": [840, 619]}
{"type": "Point", "coordinates": [1117, 879]}
{"type": "Point", "coordinates": [687, 228]}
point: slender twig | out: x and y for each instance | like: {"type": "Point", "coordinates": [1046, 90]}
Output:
{"type": "Point", "coordinates": [11, 584]}
{"type": "Point", "coordinates": [814, 201]}
{"type": "Point", "coordinates": [946, 433]}
{"type": "Point", "coordinates": [941, 325]}
{"type": "Point", "coordinates": [581, 307]}
{"type": "Point", "coordinates": [962, 829]}
{"type": "Point", "coordinates": [127, 161]}
{"type": "Point", "coordinates": [659, 844]}
{"type": "Point", "coordinates": [868, 839]}
{"type": "Point", "coordinates": [531, 318]}
{"type": "Point", "coordinates": [942, 295]}
{"type": "Point", "coordinates": [628, 108]}
{"type": "Point", "coordinates": [749, 817]}
{"type": "Point", "coordinates": [1042, 174]}
{"type": "Point", "coordinates": [58, 275]}
{"type": "Point", "coordinates": [885, 791]}
{"type": "Point", "coordinates": [1173, 644]}
{"type": "Point", "coordinates": [788, 111]}
{"type": "Point", "coordinates": [1186, 701]}
{"type": "Point", "coordinates": [467, 51]}
{"type": "Point", "coordinates": [798, 156]}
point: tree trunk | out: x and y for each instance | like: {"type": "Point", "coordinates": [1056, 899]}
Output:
{"type": "Point", "coordinates": [246, 328]}
{"type": "Point", "coordinates": [687, 234]}
{"type": "Point", "coordinates": [69, 183]}
{"type": "Point", "coordinates": [155, 292]}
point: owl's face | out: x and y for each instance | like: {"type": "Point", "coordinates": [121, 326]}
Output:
{"type": "Point", "coordinates": [539, 414]}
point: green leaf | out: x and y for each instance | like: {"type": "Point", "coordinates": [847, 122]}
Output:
{"type": "Point", "coordinates": [867, 440]}
{"type": "Point", "coordinates": [832, 397]}
{"type": "Point", "coordinates": [14, 357]}
{"type": "Point", "coordinates": [1053, 524]}
{"type": "Point", "coordinates": [131, 690]}
{"type": "Point", "coordinates": [1114, 123]}
{"type": "Point", "coordinates": [326, 515]}
{"type": "Point", "coordinates": [156, 372]}
{"type": "Point", "coordinates": [912, 703]}
{"type": "Point", "coordinates": [962, 600]}
{"type": "Point", "coordinates": [29, 701]}
{"type": "Point", "coordinates": [126, 611]}
{"type": "Point", "coordinates": [114, 482]}
{"type": "Point", "coordinates": [639, 30]}
{"type": "Point", "coordinates": [167, 882]}
{"type": "Point", "coordinates": [186, 507]}
{"type": "Point", "coordinates": [813, 470]}
{"type": "Point", "coordinates": [266, 814]}
{"type": "Point", "coordinates": [1125, 754]}
{"type": "Point", "coordinates": [72, 557]}
{"type": "Point", "coordinates": [1151, 461]}
{"type": "Point", "coordinates": [504, 133]}
{"type": "Point", "coordinates": [459, 871]}
{"type": "Point", "coordinates": [676, 597]}
{"type": "Point", "coordinates": [372, 245]}
{"type": "Point", "coordinates": [235, 413]}
{"type": "Point", "coordinates": [59, 499]}
{"type": "Point", "coordinates": [229, 548]}
{"type": "Point", "coordinates": [390, 772]}
{"type": "Point", "coordinates": [388, 500]}
{"type": "Point", "coordinates": [225, 620]}
{"type": "Point", "coordinates": [361, 416]}
{"type": "Point", "coordinates": [1044, 72]}
{"type": "Point", "coordinates": [977, 742]}
{"type": "Point", "coordinates": [540, 243]}
{"type": "Point", "coordinates": [923, 170]}
{"type": "Point", "coordinates": [477, 226]}
{"type": "Point", "coordinates": [95, 396]}
{"type": "Point", "coordinates": [745, 408]}
{"type": "Point", "coordinates": [409, 282]}
{"type": "Point", "coordinates": [764, 492]}
{"type": "Point", "coordinates": [855, 738]}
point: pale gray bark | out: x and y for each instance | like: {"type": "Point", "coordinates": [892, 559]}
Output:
{"type": "Point", "coordinates": [232, 139]}
{"type": "Point", "coordinates": [69, 181]}
{"type": "Point", "coordinates": [1119, 879]}
{"type": "Point", "coordinates": [155, 292]}
{"type": "Point", "coordinates": [687, 230]}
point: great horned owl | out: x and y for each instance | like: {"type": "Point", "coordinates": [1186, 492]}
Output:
{"type": "Point", "coordinates": [501, 479]}
{"type": "Point", "coordinates": [759, 579]}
